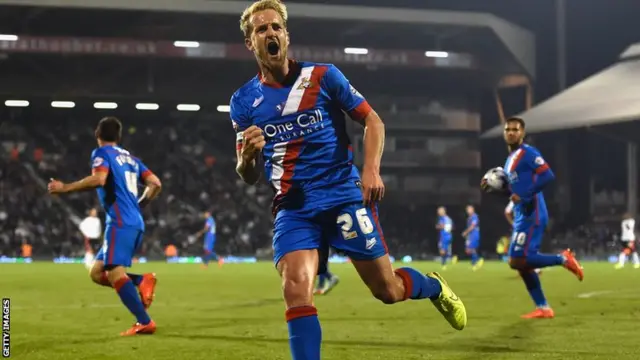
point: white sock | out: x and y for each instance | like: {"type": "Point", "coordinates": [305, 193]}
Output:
{"type": "Point", "coordinates": [622, 258]}
{"type": "Point", "coordinates": [636, 259]}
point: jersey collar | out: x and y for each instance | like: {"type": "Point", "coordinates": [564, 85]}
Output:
{"type": "Point", "coordinates": [294, 72]}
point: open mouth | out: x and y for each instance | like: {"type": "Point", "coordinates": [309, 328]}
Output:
{"type": "Point", "coordinates": [273, 48]}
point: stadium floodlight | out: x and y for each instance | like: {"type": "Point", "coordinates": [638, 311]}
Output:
{"type": "Point", "coordinates": [16, 103]}
{"type": "Point", "coordinates": [356, 51]}
{"type": "Point", "coordinates": [147, 106]}
{"type": "Point", "coordinates": [436, 54]}
{"type": "Point", "coordinates": [186, 44]}
{"type": "Point", "coordinates": [8, 37]}
{"type": "Point", "coordinates": [63, 104]}
{"type": "Point", "coordinates": [223, 108]}
{"type": "Point", "coordinates": [188, 107]}
{"type": "Point", "coordinates": [105, 105]}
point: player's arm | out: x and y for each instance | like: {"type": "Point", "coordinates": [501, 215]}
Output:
{"type": "Point", "coordinates": [206, 228]}
{"type": "Point", "coordinates": [152, 184]}
{"type": "Point", "coordinates": [544, 174]}
{"type": "Point", "coordinates": [354, 104]}
{"type": "Point", "coordinates": [88, 183]}
{"type": "Point", "coordinates": [249, 143]}
{"type": "Point", "coordinates": [469, 228]}
{"type": "Point", "coordinates": [98, 177]}
{"type": "Point", "coordinates": [508, 212]}
{"type": "Point", "coordinates": [246, 155]}
{"type": "Point", "coordinates": [374, 135]}
{"type": "Point", "coordinates": [152, 189]}
{"type": "Point", "coordinates": [509, 216]}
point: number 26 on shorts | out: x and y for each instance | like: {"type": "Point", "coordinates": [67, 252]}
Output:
{"type": "Point", "coordinates": [346, 224]}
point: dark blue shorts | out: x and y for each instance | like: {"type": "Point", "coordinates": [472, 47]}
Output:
{"type": "Point", "coordinates": [120, 246]}
{"type": "Point", "coordinates": [351, 228]}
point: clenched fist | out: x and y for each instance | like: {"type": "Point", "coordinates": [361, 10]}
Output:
{"type": "Point", "coordinates": [372, 186]}
{"type": "Point", "coordinates": [252, 142]}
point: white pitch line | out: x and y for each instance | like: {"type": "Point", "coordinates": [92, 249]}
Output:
{"type": "Point", "coordinates": [594, 293]}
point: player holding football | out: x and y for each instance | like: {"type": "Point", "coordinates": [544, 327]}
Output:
{"type": "Point", "coordinates": [291, 116]}
{"type": "Point", "coordinates": [209, 231]}
{"type": "Point", "coordinates": [445, 227]}
{"type": "Point", "coordinates": [472, 236]}
{"type": "Point", "coordinates": [116, 175]}
{"type": "Point", "coordinates": [628, 239]}
{"type": "Point", "coordinates": [527, 175]}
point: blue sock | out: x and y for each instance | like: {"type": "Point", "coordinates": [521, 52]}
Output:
{"type": "Point", "coordinates": [305, 334]}
{"type": "Point", "coordinates": [418, 286]}
{"type": "Point", "coordinates": [532, 282]}
{"type": "Point", "coordinates": [474, 258]}
{"type": "Point", "coordinates": [539, 261]}
{"type": "Point", "coordinates": [443, 259]}
{"type": "Point", "coordinates": [130, 298]}
{"type": "Point", "coordinates": [321, 280]}
{"type": "Point", "coordinates": [135, 278]}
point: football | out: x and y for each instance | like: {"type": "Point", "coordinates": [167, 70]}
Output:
{"type": "Point", "coordinates": [496, 179]}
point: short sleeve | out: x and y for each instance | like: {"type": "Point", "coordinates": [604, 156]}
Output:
{"type": "Point", "coordinates": [240, 119]}
{"type": "Point", "coordinates": [535, 161]}
{"type": "Point", "coordinates": [99, 161]}
{"type": "Point", "coordinates": [143, 170]}
{"type": "Point", "coordinates": [350, 100]}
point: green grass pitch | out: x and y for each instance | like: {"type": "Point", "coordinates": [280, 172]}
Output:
{"type": "Point", "coordinates": [237, 313]}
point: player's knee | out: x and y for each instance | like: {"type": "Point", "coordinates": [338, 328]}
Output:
{"type": "Point", "coordinates": [296, 289]}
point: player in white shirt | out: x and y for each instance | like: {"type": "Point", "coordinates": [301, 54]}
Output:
{"type": "Point", "coordinates": [91, 228]}
{"type": "Point", "coordinates": [508, 213]}
{"type": "Point", "coordinates": [628, 239]}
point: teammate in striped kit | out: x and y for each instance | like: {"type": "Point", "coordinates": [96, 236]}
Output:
{"type": "Point", "coordinates": [528, 174]}
{"type": "Point", "coordinates": [291, 116]}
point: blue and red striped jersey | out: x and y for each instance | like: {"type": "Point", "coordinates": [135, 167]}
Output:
{"type": "Point", "coordinates": [119, 195]}
{"type": "Point", "coordinates": [522, 168]}
{"type": "Point", "coordinates": [308, 157]}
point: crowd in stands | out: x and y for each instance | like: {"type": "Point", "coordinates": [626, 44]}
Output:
{"type": "Point", "coordinates": [194, 157]}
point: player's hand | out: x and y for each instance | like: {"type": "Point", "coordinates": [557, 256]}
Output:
{"type": "Point", "coordinates": [372, 186]}
{"type": "Point", "coordinates": [484, 185]}
{"type": "Point", "coordinates": [55, 186]}
{"type": "Point", "coordinates": [252, 142]}
{"type": "Point", "coordinates": [515, 198]}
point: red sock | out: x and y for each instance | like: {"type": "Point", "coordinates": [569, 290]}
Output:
{"type": "Point", "coordinates": [104, 280]}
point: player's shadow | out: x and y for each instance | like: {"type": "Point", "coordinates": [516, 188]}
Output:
{"type": "Point", "coordinates": [452, 346]}
{"type": "Point", "coordinates": [519, 331]}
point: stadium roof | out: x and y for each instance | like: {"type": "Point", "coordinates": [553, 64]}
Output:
{"type": "Point", "coordinates": [446, 25]}
{"type": "Point", "coordinates": [608, 97]}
